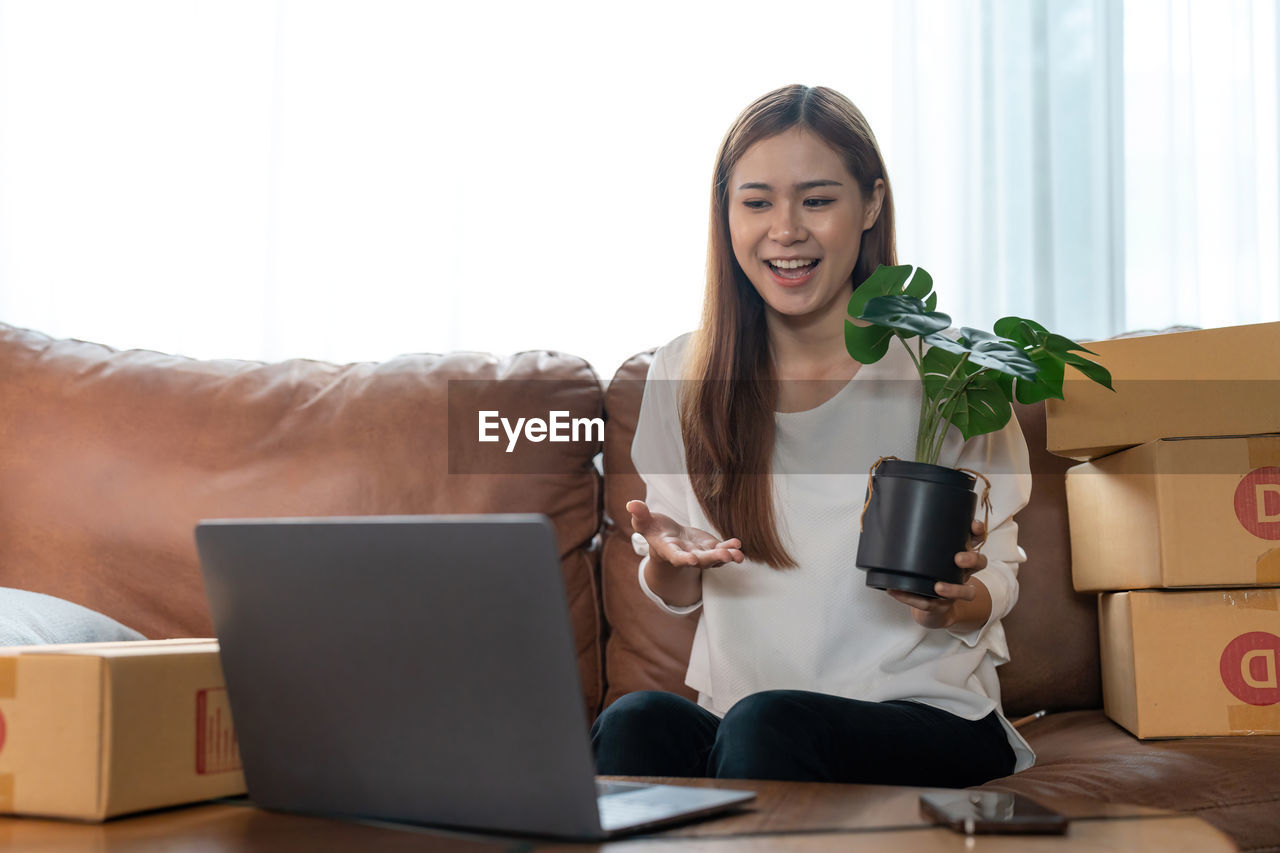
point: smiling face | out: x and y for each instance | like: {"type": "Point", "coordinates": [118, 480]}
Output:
{"type": "Point", "coordinates": [796, 218]}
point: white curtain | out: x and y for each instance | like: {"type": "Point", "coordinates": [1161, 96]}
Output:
{"type": "Point", "coordinates": [1008, 158]}
{"type": "Point", "coordinates": [351, 180]}
{"type": "Point", "coordinates": [1201, 154]}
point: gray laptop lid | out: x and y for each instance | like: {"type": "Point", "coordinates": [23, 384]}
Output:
{"type": "Point", "coordinates": [409, 668]}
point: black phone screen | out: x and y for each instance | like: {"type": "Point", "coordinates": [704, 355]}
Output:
{"type": "Point", "coordinates": [979, 812]}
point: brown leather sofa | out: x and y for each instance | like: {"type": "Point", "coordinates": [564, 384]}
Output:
{"type": "Point", "coordinates": [107, 460]}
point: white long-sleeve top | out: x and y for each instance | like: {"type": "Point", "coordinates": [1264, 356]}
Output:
{"type": "Point", "coordinates": [819, 627]}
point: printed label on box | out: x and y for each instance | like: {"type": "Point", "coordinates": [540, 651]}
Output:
{"type": "Point", "coordinates": [1257, 502]}
{"type": "Point", "coordinates": [217, 750]}
{"type": "Point", "coordinates": [1248, 667]}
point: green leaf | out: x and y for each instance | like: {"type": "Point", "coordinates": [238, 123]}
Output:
{"type": "Point", "coordinates": [1091, 369]}
{"type": "Point", "coordinates": [904, 314]}
{"type": "Point", "coordinates": [941, 341]}
{"type": "Point", "coordinates": [1006, 327]}
{"type": "Point", "coordinates": [921, 285]}
{"type": "Point", "coordinates": [986, 350]}
{"type": "Point", "coordinates": [1004, 357]}
{"type": "Point", "coordinates": [1049, 351]}
{"type": "Point", "coordinates": [1046, 384]}
{"type": "Point", "coordinates": [982, 408]}
{"type": "Point", "coordinates": [867, 344]}
{"type": "Point", "coordinates": [1020, 329]}
{"type": "Point", "coordinates": [1022, 332]}
{"type": "Point", "coordinates": [931, 302]}
{"type": "Point", "coordinates": [1006, 384]}
{"type": "Point", "coordinates": [971, 336]}
{"type": "Point", "coordinates": [938, 364]}
{"type": "Point", "coordinates": [885, 281]}
{"type": "Point", "coordinates": [1059, 344]}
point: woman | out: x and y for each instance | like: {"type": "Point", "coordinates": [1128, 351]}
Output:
{"type": "Point", "coordinates": [754, 440]}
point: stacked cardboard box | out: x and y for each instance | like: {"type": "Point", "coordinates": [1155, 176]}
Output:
{"type": "Point", "coordinates": [1175, 521]}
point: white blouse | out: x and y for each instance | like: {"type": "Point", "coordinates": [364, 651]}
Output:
{"type": "Point", "coordinates": [819, 627]}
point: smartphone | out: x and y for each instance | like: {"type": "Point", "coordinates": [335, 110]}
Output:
{"type": "Point", "coordinates": [980, 812]}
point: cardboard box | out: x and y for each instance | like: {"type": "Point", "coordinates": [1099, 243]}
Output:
{"type": "Point", "coordinates": [1201, 383]}
{"type": "Point", "coordinates": [1177, 663]}
{"type": "Point", "coordinates": [95, 730]}
{"type": "Point", "coordinates": [1177, 513]}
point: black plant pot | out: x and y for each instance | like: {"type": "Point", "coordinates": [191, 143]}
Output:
{"type": "Point", "coordinates": [917, 520]}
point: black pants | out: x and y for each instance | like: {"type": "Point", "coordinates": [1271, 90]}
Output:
{"type": "Point", "coordinates": [800, 736]}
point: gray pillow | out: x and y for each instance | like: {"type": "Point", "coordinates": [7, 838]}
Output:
{"type": "Point", "coordinates": [32, 618]}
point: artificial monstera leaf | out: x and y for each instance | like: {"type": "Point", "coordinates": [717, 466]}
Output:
{"type": "Point", "coordinates": [921, 285]}
{"type": "Point", "coordinates": [1051, 353]}
{"type": "Point", "coordinates": [867, 344]}
{"type": "Point", "coordinates": [982, 408]}
{"type": "Point", "coordinates": [1034, 340]}
{"type": "Point", "coordinates": [1047, 382]}
{"type": "Point", "coordinates": [976, 401]}
{"type": "Point", "coordinates": [906, 315]}
{"type": "Point", "coordinates": [1006, 384]}
{"type": "Point", "coordinates": [884, 281]}
{"type": "Point", "coordinates": [942, 342]}
{"type": "Point", "coordinates": [986, 350]}
{"type": "Point", "coordinates": [1070, 349]}
{"type": "Point", "coordinates": [1020, 330]}
{"type": "Point", "coordinates": [939, 373]}
{"type": "Point", "coordinates": [1091, 369]}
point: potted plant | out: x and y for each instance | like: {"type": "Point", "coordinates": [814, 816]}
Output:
{"type": "Point", "coordinates": [918, 514]}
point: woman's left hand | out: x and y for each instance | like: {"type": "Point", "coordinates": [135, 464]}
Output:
{"type": "Point", "coordinates": [959, 602]}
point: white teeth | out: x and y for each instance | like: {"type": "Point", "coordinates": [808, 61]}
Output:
{"type": "Point", "coordinates": [791, 265]}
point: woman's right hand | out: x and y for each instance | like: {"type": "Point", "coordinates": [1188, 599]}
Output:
{"type": "Point", "coordinates": [678, 545]}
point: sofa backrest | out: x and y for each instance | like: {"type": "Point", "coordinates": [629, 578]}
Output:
{"type": "Point", "coordinates": [1052, 632]}
{"type": "Point", "coordinates": [108, 459]}
{"type": "Point", "coordinates": [1054, 660]}
{"type": "Point", "coordinates": [646, 649]}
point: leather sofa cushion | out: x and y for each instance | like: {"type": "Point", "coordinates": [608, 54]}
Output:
{"type": "Point", "coordinates": [647, 648]}
{"type": "Point", "coordinates": [1228, 781]}
{"type": "Point", "coordinates": [108, 459]}
{"type": "Point", "coordinates": [1054, 661]}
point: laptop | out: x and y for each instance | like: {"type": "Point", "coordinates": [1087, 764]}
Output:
{"type": "Point", "coordinates": [418, 669]}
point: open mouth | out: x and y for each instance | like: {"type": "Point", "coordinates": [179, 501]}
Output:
{"type": "Point", "coordinates": [793, 271]}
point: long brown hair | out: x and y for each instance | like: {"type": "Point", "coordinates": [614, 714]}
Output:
{"type": "Point", "coordinates": [727, 410]}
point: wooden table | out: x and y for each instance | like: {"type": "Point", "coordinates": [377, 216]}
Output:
{"type": "Point", "coordinates": [785, 816]}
